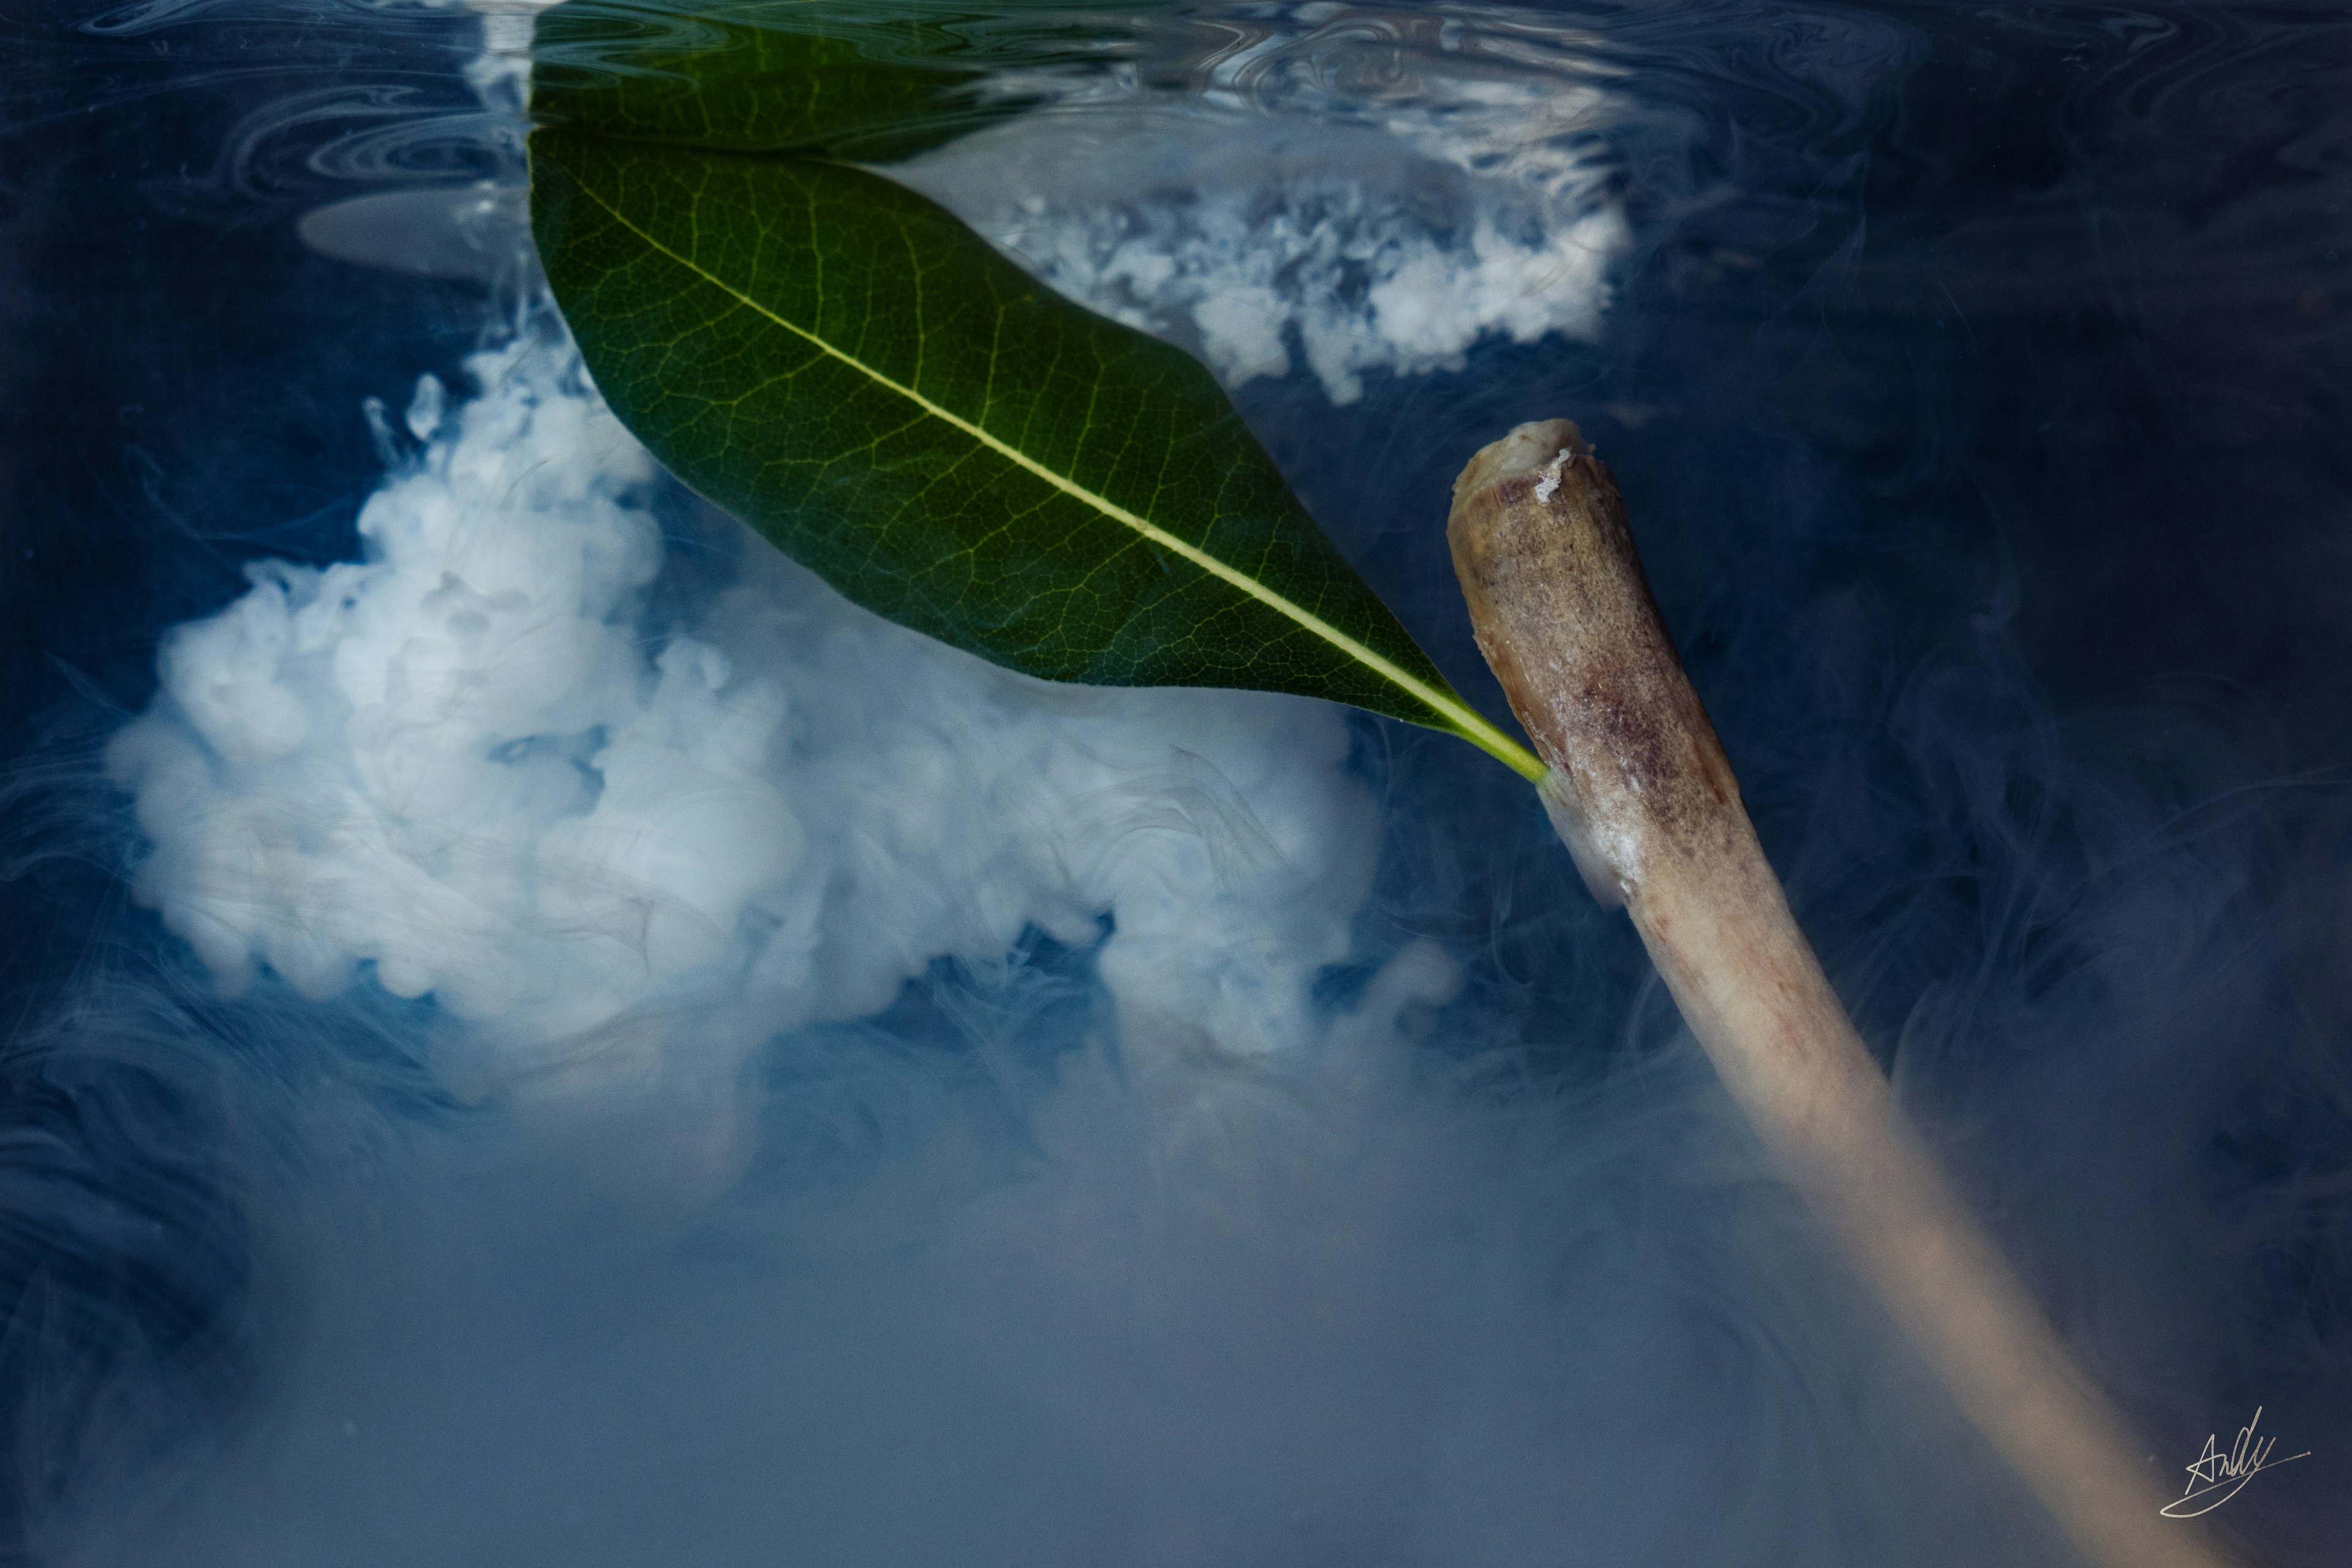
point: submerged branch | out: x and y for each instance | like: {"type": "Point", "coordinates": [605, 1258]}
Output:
{"type": "Point", "coordinates": [1641, 791]}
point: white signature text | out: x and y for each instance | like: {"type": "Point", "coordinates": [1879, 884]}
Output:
{"type": "Point", "coordinates": [2216, 1477]}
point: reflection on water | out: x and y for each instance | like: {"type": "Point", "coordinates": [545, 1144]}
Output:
{"type": "Point", "coordinates": [1359, 191]}
{"type": "Point", "coordinates": [1043, 1126]}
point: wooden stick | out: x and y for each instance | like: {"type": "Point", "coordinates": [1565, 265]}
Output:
{"type": "Point", "coordinates": [1641, 791]}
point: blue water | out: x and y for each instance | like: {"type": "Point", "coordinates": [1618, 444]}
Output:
{"type": "Point", "coordinates": [1980, 379]}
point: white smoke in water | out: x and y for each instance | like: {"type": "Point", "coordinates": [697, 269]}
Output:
{"type": "Point", "coordinates": [476, 764]}
{"type": "Point", "coordinates": [1233, 1303]}
{"type": "Point", "coordinates": [1264, 230]}
{"type": "Point", "coordinates": [470, 766]}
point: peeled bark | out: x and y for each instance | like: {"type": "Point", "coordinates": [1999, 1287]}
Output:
{"type": "Point", "coordinates": [1643, 794]}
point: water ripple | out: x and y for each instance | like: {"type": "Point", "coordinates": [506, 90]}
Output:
{"type": "Point", "coordinates": [2162, 159]}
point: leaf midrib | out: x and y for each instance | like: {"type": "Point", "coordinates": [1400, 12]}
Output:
{"type": "Point", "coordinates": [1472, 724]}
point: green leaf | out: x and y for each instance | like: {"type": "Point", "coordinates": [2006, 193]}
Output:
{"type": "Point", "coordinates": [849, 369]}
{"type": "Point", "coordinates": [871, 79]}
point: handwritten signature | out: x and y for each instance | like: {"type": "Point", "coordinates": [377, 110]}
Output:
{"type": "Point", "coordinates": [2216, 1477]}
